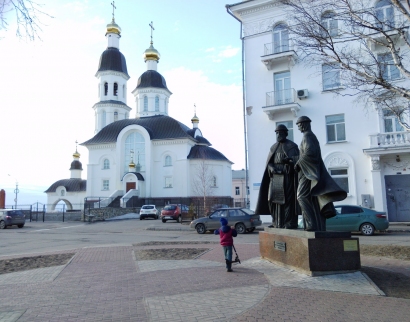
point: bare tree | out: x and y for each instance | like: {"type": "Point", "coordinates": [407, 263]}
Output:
{"type": "Point", "coordinates": [26, 13]}
{"type": "Point", "coordinates": [203, 181]}
{"type": "Point", "coordinates": [366, 44]}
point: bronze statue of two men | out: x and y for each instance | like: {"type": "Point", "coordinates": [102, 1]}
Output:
{"type": "Point", "coordinates": [296, 181]}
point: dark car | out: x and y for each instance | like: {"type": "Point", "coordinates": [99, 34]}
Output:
{"type": "Point", "coordinates": [10, 217]}
{"type": "Point", "coordinates": [243, 219]}
{"type": "Point", "coordinates": [174, 212]}
{"type": "Point", "coordinates": [356, 218]}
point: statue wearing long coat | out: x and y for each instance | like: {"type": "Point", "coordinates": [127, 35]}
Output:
{"type": "Point", "coordinates": [316, 188]}
{"type": "Point", "coordinates": [277, 194]}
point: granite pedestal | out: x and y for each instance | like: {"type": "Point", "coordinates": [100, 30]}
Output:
{"type": "Point", "coordinates": [312, 253]}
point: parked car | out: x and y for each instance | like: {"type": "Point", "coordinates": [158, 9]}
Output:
{"type": "Point", "coordinates": [10, 217]}
{"type": "Point", "coordinates": [356, 218]}
{"type": "Point", "coordinates": [148, 211]}
{"type": "Point", "coordinates": [174, 212]}
{"type": "Point", "coordinates": [243, 219]}
{"type": "Point", "coordinates": [218, 206]}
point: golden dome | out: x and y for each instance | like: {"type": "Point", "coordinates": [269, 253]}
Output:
{"type": "Point", "coordinates": [195, 119]}
{"type": "Point", "coordinates": [113, 28]}
{"type": "Point", "coordinates": [76, 154]}
{"type": "Point", "coordinates": [132, 164]}
{"type": "Point", "coordinates": [151, 54]}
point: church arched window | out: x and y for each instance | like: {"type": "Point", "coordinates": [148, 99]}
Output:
{"type": "Point", "coordinates": [104, 119]}
{"type": "Point", "coordinates": [123, 91]}
{"type": "Point", "coordinates": [168, 161]}
{"type": "Point", "coordinates": [166, 106]}
{"type": "Point", "coordinates": [115, 116]}
{"type": "Point", "coordinates": [115, 92]}
{"type": "Point", "coordinates": [213, 182]}
{"type": "Point", "coordinates": [145, 104]}
{"type": "Point", "coordinates": [156, 104]}
{"type": "Point", "coordinates": [62, 192]}
{"type": "Point", "coordinates": [106, 164]}
{"type": "Point", "coordinates": [134, 142]}
{"type": "Point", "coordinates": [105, 88]}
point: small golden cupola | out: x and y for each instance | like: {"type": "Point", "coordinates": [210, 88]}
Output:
{"type": "Point", "coordinates": [113, 28]}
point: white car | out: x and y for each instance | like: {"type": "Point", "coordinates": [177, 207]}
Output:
{"type": "Point", "coordinates": [148, 211]}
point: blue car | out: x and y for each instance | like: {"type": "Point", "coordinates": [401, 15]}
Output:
{"type": "Point", "coordinates": [355, 218]}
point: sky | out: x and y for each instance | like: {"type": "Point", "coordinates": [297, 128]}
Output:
{"type": "Point", "coordinates": [48, 86]}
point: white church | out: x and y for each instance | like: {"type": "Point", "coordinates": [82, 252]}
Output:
{"type": "Point", "coordinates": [148, 155]}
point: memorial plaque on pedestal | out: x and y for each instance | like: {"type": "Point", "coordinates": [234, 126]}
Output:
{"type": "Point", "coordinates": [312, 253]}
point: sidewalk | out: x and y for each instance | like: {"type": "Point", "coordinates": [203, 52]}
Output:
{"type": "Point", "coordinates": [109, 284]}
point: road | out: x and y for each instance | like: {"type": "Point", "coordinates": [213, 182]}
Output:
{"type": "Point", "coordinates": [39, 237]}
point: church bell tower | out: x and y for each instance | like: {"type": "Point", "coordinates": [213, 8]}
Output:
{"type": "Point", "coordinates": [112, 77]}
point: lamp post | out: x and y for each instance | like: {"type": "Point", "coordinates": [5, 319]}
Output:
{"type": "Point", "coordinates": [16, 191]}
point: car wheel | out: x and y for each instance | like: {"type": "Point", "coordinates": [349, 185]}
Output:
{"type": "Point", "coordinates": [200, 229]}
{"type": "Point", "coordinates": [2, 225]}
{"type": "Point", "coordinates": [367, 229]}
{"type": "Point", "coordinates": [140, 218]}
{"type": "Point", "coordinates": [179, 219]}
{"type": "Point", "coordinates": [20, 226]}
{"type": "Point", "coordinates": [240, 228]}
{"type": "Point", "coordinates": [249, 230]}
{"type": "Point", "coordinates": [163, 220]}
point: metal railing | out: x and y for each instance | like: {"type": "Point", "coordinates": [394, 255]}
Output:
{"type": "Point", "coordinates": [274, 48]}
{"type": "Point", "coordinates": [282, 97]}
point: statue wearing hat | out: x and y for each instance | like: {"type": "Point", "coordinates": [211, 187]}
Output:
{"type": "Point", "coordinates": [316, 190]}
{"type": "Point", "coordinates": [277, 194]}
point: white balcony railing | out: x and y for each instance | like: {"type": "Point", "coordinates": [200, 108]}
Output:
{"type": "Point", "coordinates": [390, 139]}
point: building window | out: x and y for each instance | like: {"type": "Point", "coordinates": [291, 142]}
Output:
{"type": "Point", "coordinates": [106, 164]}
{"type": "Point", "coordinates": [62, 193]}
{"type": "Point", "coordinates": [237, 191]}
{"type": "Point", "coordinates": [280, 38]}
{"type": "Point", "coordinates": [115, 92]}
{"type": "Point", "coordinates": [213, 182]}
{"type": "Point", "coordinates": [106, 185]}
{"type": "Point", "coordinates": [330, 76]}
{"type": "Point", "coordinates": [104, 119]}
{"type": "Point", "coordinates": [145, 104]}
{"type": "Point", "coordinates": [388, 68]}
{"type": "Point", "coordinates": [283, 92]}
{"type": "Point", "coordinates": [168, 182]}
{"type": "Point", "coordinates": [123, 91]}
{"type": "Point", "coordinates": [168, 161]}
{"type": "Point", "coordinates": [166, 106]}
{"type": "Point", "coordinates": [335, 128]}
{"type": "Point", "coordinates": [341, 177]}
{"type": "Point", "coordinates": [289, 125]}
{"type": "Point", "coordinates": [134, 142]}
{"type": "Point", "coordinates": [156, 104]}
{"type": "Point", "coordinates": [384, 15]}
{"type": "Point", "coordinates": [105, 88]}
{"type": "Point", "coordinates": [115, 116]}
{"type": "Point", "coordinates": [329, 24]}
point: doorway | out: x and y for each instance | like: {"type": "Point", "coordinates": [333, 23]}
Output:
{"type": "Point", "coordinates": [282, 88]}
{"type": "Point", "coordinates": [130, 185]}
{"type": "Point", "coordinates": [398, 197]}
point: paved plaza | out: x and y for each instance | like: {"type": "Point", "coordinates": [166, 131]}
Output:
{"type": "Point", "coordinates": [110, 284]}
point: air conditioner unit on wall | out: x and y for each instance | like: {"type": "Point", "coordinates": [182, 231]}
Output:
{"type": "Point", "coordinates": [303, 93]}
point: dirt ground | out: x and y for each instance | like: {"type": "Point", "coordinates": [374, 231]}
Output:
{"type": "Point", "coordinates": [391, 283]}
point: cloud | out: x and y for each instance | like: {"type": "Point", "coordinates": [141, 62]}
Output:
{"type": "Point", "coordinates": [228, 52]}
{"type": "Point", "coordinates": [208, 50]}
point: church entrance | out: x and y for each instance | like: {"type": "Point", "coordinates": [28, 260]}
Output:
{"type": "Point", "coordinates": [398, 197]}
{"type": "Point", "coordinates": [130, 185]}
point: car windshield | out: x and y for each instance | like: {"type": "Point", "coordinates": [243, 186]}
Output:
{"type": "Point", "coordinates": [248, 211]}
{"type": "Point", "coordinates": [170, 207]}
{"type": "Point", "coordinates": [147, 207]}
{"type": "Point", "coordinates": [15, 212]}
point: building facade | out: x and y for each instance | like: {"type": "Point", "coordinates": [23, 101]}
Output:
{"type": "Point", "coordinates": [367, 152]}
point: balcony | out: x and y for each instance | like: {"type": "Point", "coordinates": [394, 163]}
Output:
{"type": "Point", "coordinates": [390, 139]}
{"type": "Point", "coordinates": [391, 27]}
{"type": "Point", "coordinates": [275, 54]}
{"type": "Point", "coordinates": [281, 101]}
